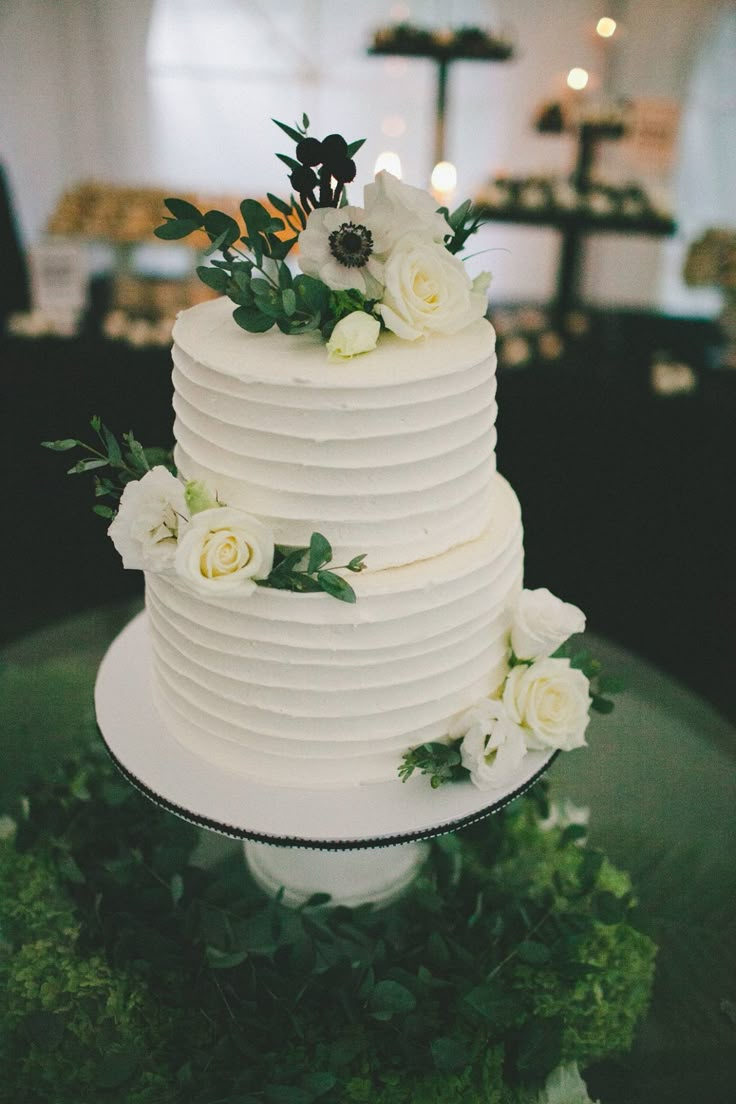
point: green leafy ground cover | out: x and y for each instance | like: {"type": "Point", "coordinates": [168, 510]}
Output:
{"type": "Point", "coordinates": [129, 974]}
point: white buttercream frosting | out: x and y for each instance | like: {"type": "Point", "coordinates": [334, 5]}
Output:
{"type": "Point", "coordinates": [391, 454]}
{"type": "Point", "coordinates": [303, 690]}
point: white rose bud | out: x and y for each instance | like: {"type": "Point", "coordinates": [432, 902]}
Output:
{"type": "Point", "coordinates": [493, 746]}
{"type": "Point", "coordinates": [427, 291]}
{"type": "Point", "coordinates": [146, 526]}
{"type": "Point", "coordinates": [542, 623]}
{"type": "Point", "coordinates": [550, 700]}
{"type": "Point", "coordinates": [224, 549]}
{"type": "Point", "coordinates": [199, 497]}
{"type": "Point", "coordinates": [354, 334]}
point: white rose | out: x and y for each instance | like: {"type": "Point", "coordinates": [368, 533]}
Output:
{"type": "Point", "coordinates": [493, 746]}
{"type": "Point", "coordinates": [224, 549]}
{"type": "Point", "coordinates": [146, 526]}
{"type": "Point", "coordinates": [355, 333]}
{"type": "Point", "coordinates": [550, 700]}
{"type": "Point", "coordinates": [542, 623]}
{"type": "Point", "coordinates": [427, 291]}
{"type": "Point", "coordinates": [395, 209]}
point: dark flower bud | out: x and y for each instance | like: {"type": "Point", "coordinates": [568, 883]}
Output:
{"type": "Point", "coordinates": [343, 169]}
{"type": "Point", "coordinates": [309, 151]}
{"type": "Point", "coordinates": [303, 180]}
{"type": "Point", "coordinates": [334, 147]}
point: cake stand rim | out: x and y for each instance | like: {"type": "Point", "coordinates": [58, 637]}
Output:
{"type": "Point", "coordinates": [364, 842]}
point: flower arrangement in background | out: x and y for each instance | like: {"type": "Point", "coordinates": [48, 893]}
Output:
{"type": "Point", "coordinates": [390, 264]}
{"type": "Point", "coordinates": [543, 703]}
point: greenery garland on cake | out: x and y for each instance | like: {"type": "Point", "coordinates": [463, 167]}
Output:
{"type": "Point", "coordinates": [130, 974]}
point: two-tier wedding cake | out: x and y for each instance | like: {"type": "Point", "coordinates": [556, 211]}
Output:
{"type": "Point", "coordinates": [333, 565]}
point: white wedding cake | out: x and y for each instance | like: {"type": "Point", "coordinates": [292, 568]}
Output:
{"type": "Point", "coordinates": [338, 426]}
{"type": "Point", "coordinates": [391, 455]}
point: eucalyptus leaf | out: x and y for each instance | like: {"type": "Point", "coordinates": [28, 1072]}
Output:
{"type": "Point", "coordinates": [174, 229]}
{"type": "Point", "coordinates": [335, 586]}
{"type": "Point", "coordinates": [252, 319]}
{"type": "Point", "coordinates": [181, 209]}
{"type": "Point", "coordinates": [61, 446]}
{"type": "Point", "coordinates": [86, 465]}
{"type": "Point", "coordinates": [214, 278]}
{"type": "Point", "coordinates": [281, 205]}
{"type": "Point", "coordinates": [256, 217]}
{"type": "Point", "coordinates": [113, 448]}
{"type": "Point", "coordinates": [320, 552]}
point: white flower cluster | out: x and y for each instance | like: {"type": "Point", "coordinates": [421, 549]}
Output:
{"type": "Point", "coordinates": [543, 703]}
{"type": "Point", "coordinates": [163, 526]}
{"type": "Point", "coordinates": [392, 251]}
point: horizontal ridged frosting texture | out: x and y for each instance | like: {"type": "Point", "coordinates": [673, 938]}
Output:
{"type": "Point", "coordinates": [303, 690]}
{"type": "Point", "coordinates": [391, 453]}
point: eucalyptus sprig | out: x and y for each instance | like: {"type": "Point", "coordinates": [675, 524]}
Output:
{"type": "Point", "coordinates": [304, 570]}
{"type": "Point", "coordinates": [124, 462]}
{"type": "Point", "coordinates": [442, 762]}
{"type": "Point", "coordinates": [464, 222]}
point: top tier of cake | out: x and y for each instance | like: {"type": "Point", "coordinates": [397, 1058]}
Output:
{"type": "Point", "coordinates": [391, 454]}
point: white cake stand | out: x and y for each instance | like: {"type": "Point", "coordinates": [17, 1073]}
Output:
{"type": "Point", "coordinates": [360, 844]}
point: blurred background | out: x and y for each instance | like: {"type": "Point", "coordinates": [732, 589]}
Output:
{"type": "Point", "coordinates": [597, 138]}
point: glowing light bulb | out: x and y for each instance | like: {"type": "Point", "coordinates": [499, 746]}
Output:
{"type": "Point", "coordinates": [443, 181]}
{"type": "Point", "coordinates": [577, 78]}
{"type": "Point", "coordinates": [390, 162]}
{"type": "Point", "coordinates": [605, 27]}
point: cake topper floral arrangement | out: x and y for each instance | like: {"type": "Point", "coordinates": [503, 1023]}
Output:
{"type": "Point", "coordinates": [391, 264]}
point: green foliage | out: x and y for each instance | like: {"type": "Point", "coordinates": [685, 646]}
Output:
{"type": "Point", "coordinates": [304, 570]}
{"type": "Point", "coordinates": [464, 222]}
{"type": "Point", "coordinates": [132, 975]}
{"type": "Point", "coordinates": [123, 462]}
{"type": "Point", "coordinates": [442, 762]}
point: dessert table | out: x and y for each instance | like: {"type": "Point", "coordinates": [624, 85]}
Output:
{"type": "Point", "coordinates": [659, 780]}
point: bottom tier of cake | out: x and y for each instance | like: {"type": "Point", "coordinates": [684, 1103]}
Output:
{"type": "Point", "coordinates": [303, 690]}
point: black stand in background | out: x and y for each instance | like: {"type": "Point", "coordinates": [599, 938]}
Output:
{"type": "Point", "coordinates": [576, 223]}
{"type": "Point", "coordinates": [13, 272]}
{"type": "Point", "coordinates": [443, 55]}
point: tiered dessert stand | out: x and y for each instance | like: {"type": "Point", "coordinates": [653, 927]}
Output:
{"type": "Point", "coordinates": [361, 844]}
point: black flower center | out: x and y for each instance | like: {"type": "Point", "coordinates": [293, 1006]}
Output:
{"type": "Point", "coordinates": [351, 244]}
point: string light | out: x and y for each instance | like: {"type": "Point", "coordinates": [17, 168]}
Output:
{"type": "Point", "coordinates": [606, 27]}
{"type": "Point", "coordinates": [443, 181]}
{"type": "Point", "coordinates": [390, 162]}
{"type": "Point", "coordinates": [577, 78]}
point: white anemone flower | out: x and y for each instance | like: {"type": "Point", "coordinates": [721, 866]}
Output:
{"type": "Point", "coordinates": [337, 247]}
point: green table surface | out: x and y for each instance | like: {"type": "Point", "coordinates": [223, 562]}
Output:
{"type": "Point", "coordinates": [659, 778]}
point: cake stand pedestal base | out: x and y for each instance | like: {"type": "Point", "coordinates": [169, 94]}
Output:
{"type": "Point", "coordinates": [361, 844]}
{"type": "Point", "coordinates": [351, 878]}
